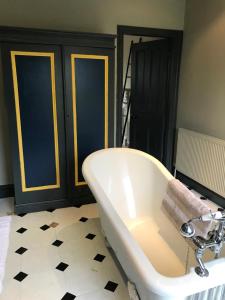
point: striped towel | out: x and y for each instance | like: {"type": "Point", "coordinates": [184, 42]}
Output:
{"type": "Point", "coordinates": [181, 205]}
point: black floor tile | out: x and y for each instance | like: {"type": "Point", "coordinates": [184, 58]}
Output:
{"type": "Point", "coordinates": [20, 276]}
{"type": "Point", "coordinates": [68, 296]}
{"type": "Point", "coordinates": [77, 205]}
{"type": "Point", "coordinates": [83, 219]}
{"type": "Point", "coordinates": [57, 243]}
{"type": "Point", "coordinates": [99, 257]}
{"type": "Point", "coordinates": [203, 198]}
{"type": "Point", "coordinates": [22, 215]}
{"type": "Point", "coordinates": [111, 286]}
{"type": "Point", "coordinates": [44, 227]}
{"type": "Point", "coordinates": [90, 236]}
{"type": "Point", "coordinates": [62, 267]}
{"type": "Point", "coordinates": [50, 210]}
{"type": "Point", "coordinates": [21, 250]}
{"type": "Point", "coordinates": [21, 230]}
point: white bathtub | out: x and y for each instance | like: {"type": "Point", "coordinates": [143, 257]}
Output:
{"type": "Point", "coordinates": [129, 186]}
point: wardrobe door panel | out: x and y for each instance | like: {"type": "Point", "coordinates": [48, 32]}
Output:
{"type": "Point", "coordinates": [35, 99]}
{"type": "Point", "coordinates": [89, 119]}
{"type": "Point", "coordinates": [90, 106]}
{"type": "Point", "coordinates": [36, 120]}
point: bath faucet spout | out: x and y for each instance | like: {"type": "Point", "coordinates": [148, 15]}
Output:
{"type": "Point", "coordinates": [214, 242]}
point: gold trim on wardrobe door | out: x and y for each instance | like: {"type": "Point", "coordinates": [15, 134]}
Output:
{"type": "Point", "coordinates": [18, 119]}
{"type": "Point", "coordinates": [106, 60]}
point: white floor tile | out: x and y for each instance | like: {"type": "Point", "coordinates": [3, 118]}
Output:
{"type": "Point", "coordinates": [11, 290]}
{"type": "Point", "coordinates": [45, 286]}
{"type": "Point", "coordinates": [13, 264]}
{"type": "Point", "coordinates": [83, 276]}
{"type": "Point", "coordinates": [120, 294]}
{"type": "Point", "coordinates": [40, 259]}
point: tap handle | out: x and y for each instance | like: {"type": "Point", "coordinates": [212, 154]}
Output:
{"type": "Point", "coordinates": [213, 216]}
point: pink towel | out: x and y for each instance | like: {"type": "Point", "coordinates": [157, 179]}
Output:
{"type": "Point", "coordinates": [182, 205]}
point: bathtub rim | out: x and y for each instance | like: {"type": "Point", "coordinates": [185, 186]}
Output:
{"type": "Point", "coordinates": [153, 280]}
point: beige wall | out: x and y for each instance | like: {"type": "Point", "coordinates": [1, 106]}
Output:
{"type": "Point", "coordinates": [92, 15]}
{"type": "Point", "coordinates": [81, 15]}
{"type": "Point", "coordinates": [201, 104]}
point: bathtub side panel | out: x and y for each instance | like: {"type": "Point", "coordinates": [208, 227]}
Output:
{"type": "Point", "coordinates": [124, 256]}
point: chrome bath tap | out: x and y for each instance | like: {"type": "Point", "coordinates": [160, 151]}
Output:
{"type": "Point", "coordinates": [215, 241]}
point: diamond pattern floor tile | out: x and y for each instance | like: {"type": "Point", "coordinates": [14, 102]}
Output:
{"type": "Point", "coordinates": [83, 219]}
{"type": "Point", "coordinates": [62, 266]}
{"type": "Point", "coordinates": [57, 243]}
{"type": "Point", "coordinates": [90, 236]}
{"type": "Point", "coordinates": [20, 276]}
{"type": "Point", "coordinates": [44, 227]}
{"type": "Point", "coordinates": [63, 252]}
{"type": "Point", "coordinates": [111, 286]}
{"type": "Point", "coordinates": [99, 257]}
{"type": "Point", "coordinates": [21, 250]}
{"type": "Point", "coordinates": [21, 230]}
{"type": "Point", "coordinates": [68, 296]}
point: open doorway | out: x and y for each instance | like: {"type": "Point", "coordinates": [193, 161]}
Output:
{"type": "Point", "coordinates": [147, 82]}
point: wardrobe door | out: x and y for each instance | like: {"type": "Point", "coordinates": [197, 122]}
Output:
{"type": "Point", "coordinates": [34, 93]}
{"type": "Point", "coordinates": [89, 111]}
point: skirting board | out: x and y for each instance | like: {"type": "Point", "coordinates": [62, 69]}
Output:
{"type": "Point", "coordinates": [85, 200]}
{"type": "Point", "coordinates": [6, 191]}
{"type": "Point", "coordinates": [39, 206]}
{"type": "Point", "coordinates": [201, 189]}
{"type": "Point", "coordinates": [33, 207]}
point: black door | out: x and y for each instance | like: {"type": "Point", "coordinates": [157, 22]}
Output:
{"type": "Point", "coordinates": [34, 94]}
{"type": "Point", "coordinates": [149, 89]}
{"type": "Point", "coordinates": [89, 106]}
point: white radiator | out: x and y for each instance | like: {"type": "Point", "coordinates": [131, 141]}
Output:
{"type": "Point", "coordinates": [202, 158]}
{"type": "Point", "coordinates": [217, 293]}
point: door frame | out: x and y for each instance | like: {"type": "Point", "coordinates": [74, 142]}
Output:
{"type": "Point", "coordinates": [176, 38]}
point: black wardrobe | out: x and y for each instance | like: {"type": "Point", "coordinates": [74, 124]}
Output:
{"type": "Point", "coordinates": [59, 92]}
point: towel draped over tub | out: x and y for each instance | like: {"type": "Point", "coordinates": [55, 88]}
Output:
{"type": "Point", "coordinates": [181, 205]}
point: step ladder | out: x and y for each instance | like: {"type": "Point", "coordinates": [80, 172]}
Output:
{"type": "Point", "coordinates": [126, 101]}
{"type": "Point", "coordinates": [126, 96]}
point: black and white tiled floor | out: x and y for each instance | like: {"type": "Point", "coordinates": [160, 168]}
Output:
{"type": "Point", "coordinates": [57, 254]}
